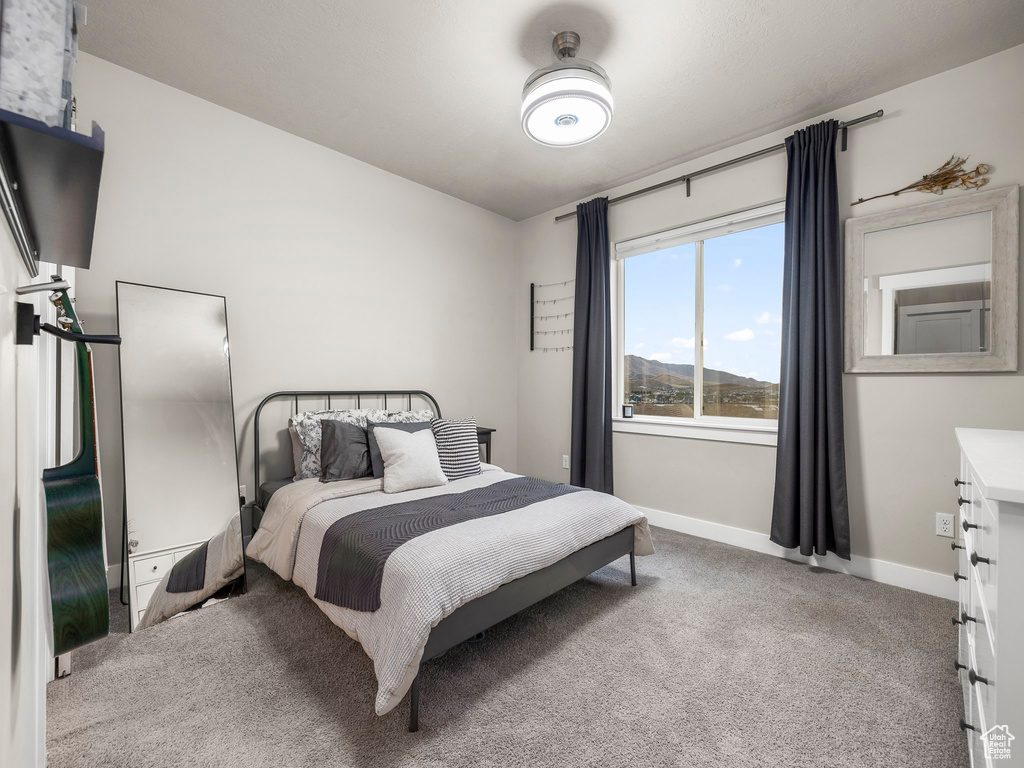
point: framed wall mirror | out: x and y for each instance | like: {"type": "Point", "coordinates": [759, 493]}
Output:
{"type": "Point", "coordinates": [933, 288]}
{"type": "Point", "coordinates": [180, 451]}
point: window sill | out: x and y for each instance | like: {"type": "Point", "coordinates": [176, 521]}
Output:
{"type": "Point", "coordinates": [705, 429]}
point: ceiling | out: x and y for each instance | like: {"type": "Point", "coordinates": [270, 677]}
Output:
{"type": "Point", "coordinates": [430, 89]}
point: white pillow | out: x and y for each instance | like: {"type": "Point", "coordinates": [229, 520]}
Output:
{"type": "Point", "coordinates": [410, 459]}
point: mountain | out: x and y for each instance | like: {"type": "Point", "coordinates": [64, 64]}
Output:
{"type": "Point", "coordinates": [679, 376]}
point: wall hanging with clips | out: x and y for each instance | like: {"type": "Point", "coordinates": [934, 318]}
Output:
{"type": "Point", "coordinates": [551, 316]}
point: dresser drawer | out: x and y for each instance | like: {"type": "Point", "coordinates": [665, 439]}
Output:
{"type": "Point", "coordinates": [963, 656]}
{"type": "Point", "coordinates": [143, 592]}
{"type": "Point", "coordinates": [983, 573]}
{"type": "Point", "coordinates": [152, 568]}
{"type": "Point", "coordinates": [969, 512]}
{"type": "Point", "coordinates": [983, 662]}
{"type": "Point", "coordinates": [974, 740]}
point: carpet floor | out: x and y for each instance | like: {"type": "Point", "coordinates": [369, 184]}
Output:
{"type": "Point", "coordinates": [719, 657]}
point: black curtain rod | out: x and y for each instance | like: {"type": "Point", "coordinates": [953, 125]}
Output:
{"type": "Point", "coordinates": [735, 161]}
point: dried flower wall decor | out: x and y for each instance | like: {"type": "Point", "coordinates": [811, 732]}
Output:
{"type": "Point", "coordinates": [950, 175]}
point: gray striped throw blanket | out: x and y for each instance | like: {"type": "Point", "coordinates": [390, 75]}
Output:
{"type": "Point", "coordinates": [355, 548]}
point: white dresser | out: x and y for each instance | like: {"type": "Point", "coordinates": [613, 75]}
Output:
{"type": "Point", "coordinates": [990, 576]}
{"type": "Point", "coordinates": [145, 570]}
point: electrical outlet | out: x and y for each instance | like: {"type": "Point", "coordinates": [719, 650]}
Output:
{"type": "Point", "coordinates": [944, 524]}
{"type": "Point", "coordinates": [565, 461]}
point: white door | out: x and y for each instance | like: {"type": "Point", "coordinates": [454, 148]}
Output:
{"type": "Point", "coordinates": [24, 594]}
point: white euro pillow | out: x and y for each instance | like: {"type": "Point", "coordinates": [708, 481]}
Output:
{"type": "Point", "coordinates": [410, 459]}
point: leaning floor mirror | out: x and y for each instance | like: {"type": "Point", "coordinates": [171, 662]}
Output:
{"type": "Point", "coordinates": [182, 529]}
{"type": "Point", "coordinates": [933, 288]}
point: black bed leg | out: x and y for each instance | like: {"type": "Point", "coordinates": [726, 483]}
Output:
{"type": "Point", "coordinates": [414, 706]}
{"type": "Point", "coordinates": [632, 568]}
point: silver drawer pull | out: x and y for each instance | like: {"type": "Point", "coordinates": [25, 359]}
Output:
{"type": "Point", "coordinates": [975, 678]}
{"type": "Point", "coordinates": [958, 482]}
{"type": "Point", "coordinates": [154, 567]}
{"type": "Point", "coordinates": [965, 726]}
{"type": "Point", "coordinates": [960, 501]}
{"type": "Point", "coordinates": [975, 559]}
{"type": "Point", "coordinates": [954, 546]}
{"type": "Point", "coordinates": [958, 577]}
{"type": "Point", "coordinates": [967, 526]}
{"type": "Point", "coordinates": [957, 665]}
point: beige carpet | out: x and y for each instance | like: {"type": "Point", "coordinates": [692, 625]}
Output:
{"type": "Point", "coordinates": [720, 657]}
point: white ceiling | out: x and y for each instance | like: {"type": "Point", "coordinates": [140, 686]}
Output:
{"type": "Point", "coordinates": [430, 89]}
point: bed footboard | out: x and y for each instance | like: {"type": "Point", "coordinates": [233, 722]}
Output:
{"type": "Point", "coordinates": [484, 612]}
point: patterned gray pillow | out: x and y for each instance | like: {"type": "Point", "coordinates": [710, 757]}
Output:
{"type": "Point", "coordinates": [340, 414]}
{"type": "Point", "coordinates": [398, 417]}
{"type": "Point", "coordinates": [307, 427]}
{"type": "Point", "coordinates": [458, 447]}
{"type": "Point", "coordinates": [308, 430]}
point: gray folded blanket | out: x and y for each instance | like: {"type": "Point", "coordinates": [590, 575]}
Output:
{"type": "Point", "coordinates": [356, 547]}
{"type": "Point", "coordinates": [193, 579]}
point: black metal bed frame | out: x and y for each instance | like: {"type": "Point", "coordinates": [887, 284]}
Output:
{"type": "Point", "coordinates": [484, 612]}
{"type": "Point", "coordinates": [294, 395]}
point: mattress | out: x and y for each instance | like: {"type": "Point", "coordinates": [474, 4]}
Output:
{"type": "Point", "coordinates": [269, 488]}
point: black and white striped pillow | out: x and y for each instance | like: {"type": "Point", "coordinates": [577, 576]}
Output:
{"type": "Point", "coordinates": [458, 447]}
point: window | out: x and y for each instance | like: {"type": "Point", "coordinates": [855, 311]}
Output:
{"type": "Point", "coordinates": [700, 313]}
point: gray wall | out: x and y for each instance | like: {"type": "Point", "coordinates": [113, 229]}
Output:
{"type": "Point", "coordinates": [337, 275]}
{"type": "Point", "coordinates": [340, 275]}
{"type": "Point", "coordinates": [901, 452]}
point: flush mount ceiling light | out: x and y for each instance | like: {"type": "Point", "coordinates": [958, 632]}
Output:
{"type": "Point", "coordinates": [567, 103]}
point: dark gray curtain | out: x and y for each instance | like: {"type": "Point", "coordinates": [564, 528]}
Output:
{"type": "Point", "coordinates": [810, 509]}
{"type": "Point", "coordinates": [591, 455]}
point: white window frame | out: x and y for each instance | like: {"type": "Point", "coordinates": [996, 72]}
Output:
{"type": "Point", "coordinates": [721, 428]}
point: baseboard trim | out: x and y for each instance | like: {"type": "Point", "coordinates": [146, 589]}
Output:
{"type": "Point", "coordinates": [114, 576]}
{"type": "Point", "coordinates": [905, 576]}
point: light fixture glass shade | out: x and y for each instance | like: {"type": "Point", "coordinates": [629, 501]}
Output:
{"type": "Point", "coordinates": [568, 104]}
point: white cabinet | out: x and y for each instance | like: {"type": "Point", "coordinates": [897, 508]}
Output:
{"type": "Point", "coordinates": [145, 571]}
{"type": "Point", "coordinates": [990, 616]}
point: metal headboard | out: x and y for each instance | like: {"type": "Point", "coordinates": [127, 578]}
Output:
{"type": "Point", "coordinates": [358, 395]}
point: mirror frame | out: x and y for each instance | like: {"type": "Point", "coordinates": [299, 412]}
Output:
{"type": "Point", "coordinates": [1004, 206]}
{"type": "Point", "coordinates": [240, 585]}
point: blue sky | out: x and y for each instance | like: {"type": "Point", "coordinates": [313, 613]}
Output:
{"type": "Point", "coordinates": [742, 303]}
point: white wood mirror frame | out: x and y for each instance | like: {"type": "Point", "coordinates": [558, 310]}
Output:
{"type": "Point", "coordinates": [1001, 353]}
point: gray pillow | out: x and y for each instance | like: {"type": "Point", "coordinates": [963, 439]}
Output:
{"type": "Point", "coordinates": [344, 451]}
{"type": "Point", "coordinates": [376, 461]}
{"type": "Point", "coordinates": [296, 453]}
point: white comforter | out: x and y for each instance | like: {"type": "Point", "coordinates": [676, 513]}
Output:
{"type": "Point", "coordinates": [430, 576]}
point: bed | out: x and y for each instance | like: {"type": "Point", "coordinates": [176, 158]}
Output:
{"type": "Point", "coordinates": [440, 587]}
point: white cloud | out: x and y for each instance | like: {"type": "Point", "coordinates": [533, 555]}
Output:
{"type": "Point", "coordinates": [661, 357]}
{"type": "Point", "coordinates": [737, 262]}
{"type": "Point", "coordinates": [743, 335]}
{"type": "Point", "coordinates": [641, 345]}
{"type": "Point", "coordinates": [683, 343]}
{"type": "Point", "coordinates": [767, 317]}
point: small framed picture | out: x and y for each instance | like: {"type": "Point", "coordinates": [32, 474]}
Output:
{"type": "Point", "coordinates": [627, 411]}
